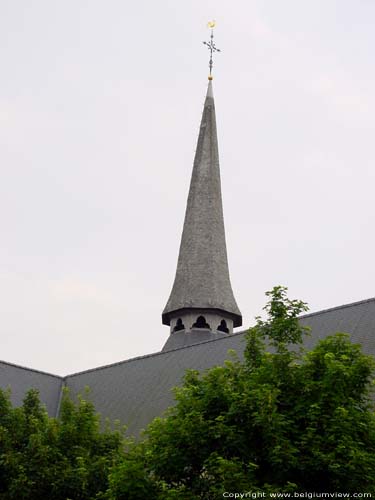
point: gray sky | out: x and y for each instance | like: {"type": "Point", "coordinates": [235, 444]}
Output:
{"type": "Point", "coordinates": [100, 104]}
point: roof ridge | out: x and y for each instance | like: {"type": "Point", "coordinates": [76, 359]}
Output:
{"type": "Point", "coordinates": [32, 369]}
{"type": "Point", "coordinates": [242, 332]}
{"type": "Point", "coordinates": [154, 354]}
{"type": "Point", "coordinates": [335, 308]}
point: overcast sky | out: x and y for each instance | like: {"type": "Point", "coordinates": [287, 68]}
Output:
{"type": "Point", "coordinates": [100, 104]}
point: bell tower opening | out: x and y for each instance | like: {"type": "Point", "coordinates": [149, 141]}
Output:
{"type": "Point", "coordinates": [179, 326]}
{"type": "Point", "coordinates": [201, 323]}
{"type": "Point", "coordinates": [223, 327]}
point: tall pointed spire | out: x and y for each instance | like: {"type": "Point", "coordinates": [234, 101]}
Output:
{"type": "Point", "coordinates": [202, 287]}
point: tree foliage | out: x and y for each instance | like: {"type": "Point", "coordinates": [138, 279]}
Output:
{"type": "Point", "coordinates": [278, 420]}
{"type": "Point", "coordinates": [281, 421]}
{"type": "Point", "coordinates": [47, 458]}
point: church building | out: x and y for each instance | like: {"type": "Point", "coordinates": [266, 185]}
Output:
{"type": "Point", "coordinates": [201, 313]}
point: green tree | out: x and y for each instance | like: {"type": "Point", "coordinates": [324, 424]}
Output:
{"type": "Point", "coordinates": [278, 421]}
{"type": "Point", "coordinates": [59, 459]}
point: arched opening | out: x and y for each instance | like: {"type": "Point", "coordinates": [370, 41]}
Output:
{"type": "Point", "coordinates": [201, 323]}
{"type": "Point", "coordinates": [179, 326]}
{"type": "Point", "coordinates": [223, 327]}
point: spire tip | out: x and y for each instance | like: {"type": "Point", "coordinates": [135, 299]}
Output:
{"type": "Point", "coordinates": [211, 47]}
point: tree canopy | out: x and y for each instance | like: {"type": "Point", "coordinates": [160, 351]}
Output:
{"type": "Point", "coordinates": [281, 421]}
{"type": "Point", "coordinates": [47, 458]}
{"type": "Point", "coordinates": [277, 420]}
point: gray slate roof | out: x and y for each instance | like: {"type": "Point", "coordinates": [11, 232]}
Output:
{"type": "Point", "coordinates": [137, 390]}
{"type": "Point", "coordinates": [20, 380]}
{"type": "Point", "coordinates": [182, 338]}
{"type": "Point", "coordinates": [202, 275]}
{"type": "Point", "coordinates": [357, 319]}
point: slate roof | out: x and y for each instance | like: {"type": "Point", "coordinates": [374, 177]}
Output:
{"type": "Point", "coordinates": [357, 319]}
{"type": "Point", "coordinates": [20, 379]}
{"type": "Point", "coordinates": [182, 339]}
{"type": "Point", "coordinates": [137, 390]}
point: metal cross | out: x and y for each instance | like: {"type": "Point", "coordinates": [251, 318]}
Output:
{"type": "Point", "coordinates": [211, 47]}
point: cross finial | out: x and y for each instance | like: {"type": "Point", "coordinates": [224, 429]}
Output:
{"type": "Point", "coordinates": [211, 47]}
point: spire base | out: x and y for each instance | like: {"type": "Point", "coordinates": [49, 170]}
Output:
{"type": "Point", "coordinates": [170, 318]}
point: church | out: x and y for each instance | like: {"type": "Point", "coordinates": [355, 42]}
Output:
{"type": "Point", "coordinates": [201, 313]}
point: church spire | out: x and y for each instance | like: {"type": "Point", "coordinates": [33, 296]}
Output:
{"type": "Point", "coordinates": [202, 297]}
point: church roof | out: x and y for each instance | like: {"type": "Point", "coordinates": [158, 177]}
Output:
{"type": "Point", "coordinates": [20, 379]}
{"type": "Point", "coordinates": [202, 276]}
{"type": "Point", "coordinates": [137, 390]}
{"type": "Point", "coordinates": [182, 338]}
{"type": "Point", "coordinates": [357, 318]}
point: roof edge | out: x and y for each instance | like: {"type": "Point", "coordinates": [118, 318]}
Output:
{"type": "Point", "coordinates": [32, 370]}
{"type": "Point", "coordinates": [242, 332]}
{"type": "Point", "coordinates": [155, 354]}
{"type": "Point", "coordinates": [335, 308]}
